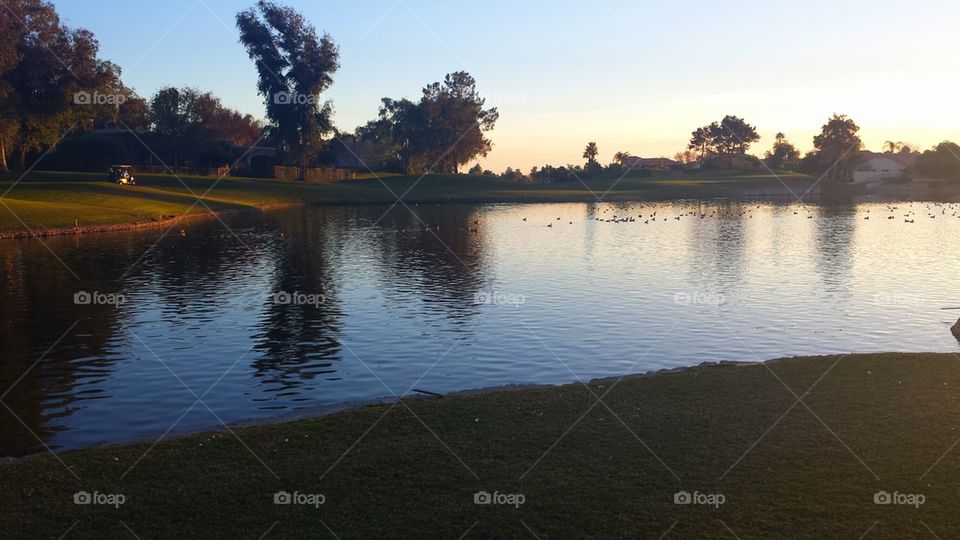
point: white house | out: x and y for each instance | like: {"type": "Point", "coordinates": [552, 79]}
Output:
{"type": "Point", "coordinates": [878, 167]}
{"type": "Point", "coordinates": [636, 162]}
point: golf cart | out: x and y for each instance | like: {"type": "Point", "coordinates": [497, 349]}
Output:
{"type": "Point", "coordinates": [121, 174]}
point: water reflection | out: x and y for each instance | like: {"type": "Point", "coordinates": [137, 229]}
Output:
{"type": "Point", "coordinates": [402, 296]}
{"type": "Point", "coordinates": [833, 243]}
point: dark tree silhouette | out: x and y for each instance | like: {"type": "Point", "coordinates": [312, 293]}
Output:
{"type": "Point", "coordinates": [591, 152]}
{"type": "Point", "coordinates": [725, 139]}
{"type": "Point", "coordinates": [783, 155]}
{"type": "Point", "coordinates": [295, 67]}
{"type": "Point", "coordinates": [442, 131]}
{"type": "Point", "coordinates": [837, 147]}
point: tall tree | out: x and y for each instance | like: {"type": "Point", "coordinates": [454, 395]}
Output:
{"type": "Point", "coordinates": [591, 152]}
{"type": "Point", "coordinates": [463, 119]}
{"type": "Point", "coordinates": [783, 155]}
{"type": "Point", "coordinates": [700, 142]}
{"type": "Point", "coordinates": [442, 131]}
{"type": "Point", "coordinates": [295, 67]}
{"type": "Point", "coordinates": [837, 147]}
{"type": "Point", "coordinates": [46, 69]}
{"type": "Point", "coordinates": [178, 114]}
{"type": "Point", "coordinates": [725, 139]}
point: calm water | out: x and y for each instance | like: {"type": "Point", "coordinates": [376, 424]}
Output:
{"type": "Point", "coordinates": [300, 309]}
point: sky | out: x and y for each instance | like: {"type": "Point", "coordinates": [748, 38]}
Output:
{"type": "Point", "coordinates": [633, 76]}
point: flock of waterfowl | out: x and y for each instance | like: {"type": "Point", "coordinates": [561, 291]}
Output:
{"type": "Point", "coordinates": [909, 212]}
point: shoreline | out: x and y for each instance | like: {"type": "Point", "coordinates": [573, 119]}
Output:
{"type": "Point", "coordinates": [167, 222]}
{"type": "Point", "coordinates": [747, 191]}
{"type": "Point", "coordinates": [867, 423]}
{"type": "Point", "coordinates": [461, 189]}
{"type": "Point", "coordinates": [352, 406]}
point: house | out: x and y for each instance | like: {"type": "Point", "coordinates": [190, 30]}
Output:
{"type": "Point", "coordinates": [874, 167]}
{"type": "Point", "coordinates": [634, 162]}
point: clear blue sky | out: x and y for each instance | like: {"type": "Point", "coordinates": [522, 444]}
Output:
{"type": "Point", "coordinates": [633, 76]}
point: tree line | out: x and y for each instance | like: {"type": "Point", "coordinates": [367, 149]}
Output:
{"type": "Point", "coordinates": [54, 89]}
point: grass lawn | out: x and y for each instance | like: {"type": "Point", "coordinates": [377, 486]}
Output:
{"type": "Point", "coordinates": [52, 199]}
{"type": "Point", "coordinates": [785, 469]}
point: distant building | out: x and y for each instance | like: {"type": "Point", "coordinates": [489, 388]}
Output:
{"type": "Point", "coordinates": [874, 167]}
{"type": "Point", "coordinates": [635, 162]}
{"type": "Point", "coordinates": [250, 152]}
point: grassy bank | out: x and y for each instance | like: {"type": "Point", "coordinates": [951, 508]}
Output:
{"type": "Point", "coordinates": [785, 469]}
{"type": "Point", "coordinates": [49, 200]}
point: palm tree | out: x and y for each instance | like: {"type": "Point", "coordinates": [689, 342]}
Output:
{"type": "Point", "coordinates": [591, 152]}
{"type": "Point", "coordinates": [621, 158]}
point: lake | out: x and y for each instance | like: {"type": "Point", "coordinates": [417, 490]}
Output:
{"type": "Point", "coordinates": [127, 336]}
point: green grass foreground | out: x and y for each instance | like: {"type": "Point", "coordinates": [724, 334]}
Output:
{"type": "Point", "coordinates": [51, 200]}
{"type": "Point", "coordinates": [785, 468]}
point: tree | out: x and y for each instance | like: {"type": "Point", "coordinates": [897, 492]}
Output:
{"type": "Point", "coordinates": [230, 125]}
{"type": "Point", "coordinates": [942, 161]}
{"type": "Point", "coordinates": [442, 131]}
{"type": "Point", "coordinates": [687, 157]}
{"type": "Point", "coordinates": [891, 147]}
{"type": "Point", "coordinates": [459, 110]}
{"type": "Point", "coordinates": [621, 157]}
{"type": "Point", "coordinates": [726, 139]}
{"type": "Point", "coordinates": [191, 123]}
{"type": "Point", "coordinates": [134, 113]}
{"type": "Point", "coordinates": [783, 155]}
{"type": "Point", "coordinates": [590, 153]}
{"type": "Point", "coordinates": [515, 175]}
{"type": "Point", "coordinates": [178, 116]}
{"type": "Point", "coordinates": [48, 75]}
{"type": "Point", "coordinates": [837, 147]}
{"type": "Point", "coordinates": [700, 142]}
{"type": "Point", "coordinates": [294, 68]}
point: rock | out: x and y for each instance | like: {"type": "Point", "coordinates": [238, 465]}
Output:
{"type": "Point", "coordinates": [956, 329]}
